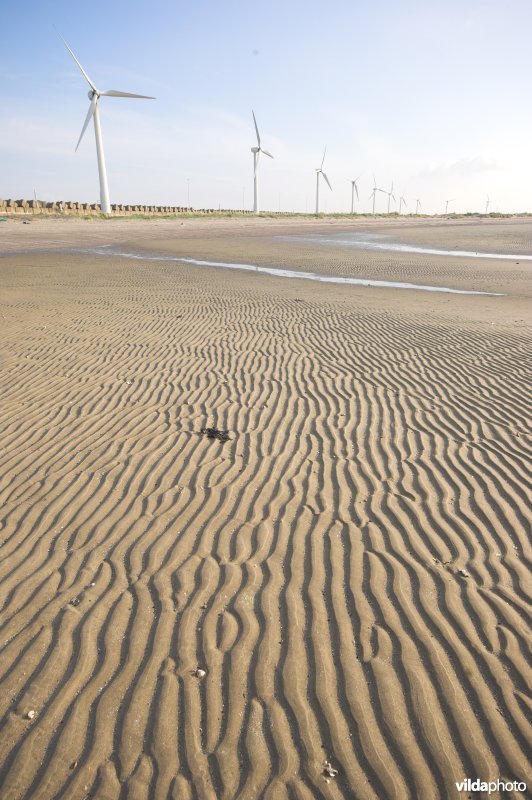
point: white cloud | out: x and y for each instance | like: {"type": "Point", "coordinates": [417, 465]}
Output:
{"type": "Point", "coordinates": [461, 167]}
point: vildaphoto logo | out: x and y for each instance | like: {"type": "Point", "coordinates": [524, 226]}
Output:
{"type": "Point", "coordinates": [476, 785]}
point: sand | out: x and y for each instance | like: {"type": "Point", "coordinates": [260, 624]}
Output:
{"type": "Point", "coordinates": [334, 602]}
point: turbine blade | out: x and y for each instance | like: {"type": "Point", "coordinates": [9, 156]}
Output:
{"type": "Point", "coordinates": [88, 118]}
{"type": "Point", "coordinates": [356, 189]}
{"type": "Point", "coordinates": [91, 84]}
{"type": "Point", "coordinates": [323, 159]}
{"type": "Point", "coordinates": [266, 153]}
{"type": "Point", "coordinates": [256, 127]}
{"type": "Point", "coordinates": [326, 180]}
{"type": "Point", "coordinates": [116, 93]}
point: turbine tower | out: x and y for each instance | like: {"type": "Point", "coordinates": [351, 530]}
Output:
{"type": "Point", "coordinates": [487, 205]}
{"type": "Point", "coordinates": [354, 188]}
{"type": "Point", "coordinates": [447, 205]}
{"type": "Point", "coordinates": [402, 202]}
{"type": "Point", "coordinates": [390, 195]}
{"type": "Point", "coordinates": [94, 113]}
{"type": "Point", "coordinates": [418, 206]}
{"type": "Point", "coordinates": [256, 153]}
{"type": "Point", "coordinates": [319, 171]}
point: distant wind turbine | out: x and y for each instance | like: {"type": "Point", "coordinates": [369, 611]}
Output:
{"type": "Point", "coordinates": [390, 195]}
{"type": "Point", "coordinates": [374, 193]}
{"type": "Point", "coordinates": [94, 97]}
{"type": "Point", "coordinates": [256, 153]}
{"type": "Point", "coordinates": [418, 206]}
{"type": "Point", "coordinates": [354, 188]}
{"type": "Point", "coordinates": [319, 171]}
{"type": "Point", "coordinates": [487, 205]}
{"type": "Point", "coordinates": [402, 202]}
{"type": "Point", "coordinates": [447, 205]}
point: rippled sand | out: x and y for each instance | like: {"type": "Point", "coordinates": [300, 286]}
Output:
{"type": "Point", "coordinates": [334, 602]}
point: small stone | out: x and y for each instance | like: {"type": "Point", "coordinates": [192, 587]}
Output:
{"type": "Point", "coordinates": [199, 672]}
{"type": "Point", "coordinates": [30, 714]}
{"type": "Point", "coordinates": [464, 573]}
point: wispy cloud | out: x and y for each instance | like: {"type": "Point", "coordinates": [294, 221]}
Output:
{"type": "Point", "coordinates": [461, 167]}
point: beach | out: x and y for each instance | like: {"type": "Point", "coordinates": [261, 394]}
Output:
{"type": "Point", "coordinates": [263, 536]}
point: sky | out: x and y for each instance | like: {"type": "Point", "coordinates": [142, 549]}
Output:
{"type": "Point", "coordinates": [433, 95]}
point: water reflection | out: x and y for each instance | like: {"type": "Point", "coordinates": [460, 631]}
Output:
{"type": "Point", "coordinates": [373, 241]}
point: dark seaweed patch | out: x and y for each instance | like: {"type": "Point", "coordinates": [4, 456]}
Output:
{"type": "Point", "coordinates": [214, 433]}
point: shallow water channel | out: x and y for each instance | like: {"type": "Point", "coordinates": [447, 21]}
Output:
{"type": "Point", "coordinates": [285, 273]}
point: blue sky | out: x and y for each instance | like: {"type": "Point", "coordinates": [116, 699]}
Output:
{"type": "Point", "coordinates": [432, 95]}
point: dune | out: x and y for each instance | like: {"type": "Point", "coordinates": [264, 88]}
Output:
{"type": "Point", "coordinates": [328, 596]}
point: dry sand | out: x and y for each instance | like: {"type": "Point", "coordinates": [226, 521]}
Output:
{"type": "Point", "coordinates": [343, 585]}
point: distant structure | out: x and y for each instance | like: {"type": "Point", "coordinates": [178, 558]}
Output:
{"type": "Point", "coordinates": [402, 202]}
{"type": "Point", "coordinates": [93, 113]}
{"type": "Point", "coordinates": [487, 205]}
{"type": "Point", "coordinates": [354, 188]}
{"type": "Point", "coordinates": [390, 195]}
{"type": "Point", "coordinates": [374, 194]}
{"type": "Point", "coordinates": [256, 153]}
{"type": "Point", "coordinates": [319, 171]}
{"type": "Point", "coordinates": [21, 208]}
{"type": "Point", "coordinates": [418, 205]}
{"type": "Point", "coordinates": [447, 204]}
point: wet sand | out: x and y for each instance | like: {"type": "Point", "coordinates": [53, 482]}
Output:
{"type": "Point", "coordinates": [334, 602]}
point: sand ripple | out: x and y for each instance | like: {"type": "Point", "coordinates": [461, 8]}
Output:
{"type": "Point", "coordinates": [346, 579]}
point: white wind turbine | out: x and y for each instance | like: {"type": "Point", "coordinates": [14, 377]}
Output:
{"type": "Point", "coordinates": [94, 96]}
{"type": "Point", "coordinates": [374, 193]}
{"type": "Point", "coordinates": [354, 188]}
{"type": "Point", "coordinates": [447, 205]}
{"type": "Point", "coordinates": [256, 153]}
{"type": "Point", "coordinates": [319, 171]}
{"type": "Point", "coordinates": [418, 206]}
{"type": "Point", "coordinates": [487, 204]}
{"type": "Point", "coordinates": [390, 195]}
{"type": "Point", "coordinates": [402, 202]}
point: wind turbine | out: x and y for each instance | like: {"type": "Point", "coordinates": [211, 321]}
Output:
{"type": "Point", "coordinates": [256, 153]}
{"type": "Point", "coordinates": [402, 201]}
{"type": "Point", "coordinates": [374, 192]}
{"type": "Point", "coordinates": [319, 172]}
{"type": "Point", "coordinates": [94, 96]}
{"type": "Point", "coordinates": [487, 205]}
{"type": "Point", "coordinates": [418, 206]}
{"type": "Point", "coordinates": [390, 195]}
{"type": "Point", "coordinates": [354, 188]}
{"type": "Point", "coordinates": [447, 205]}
